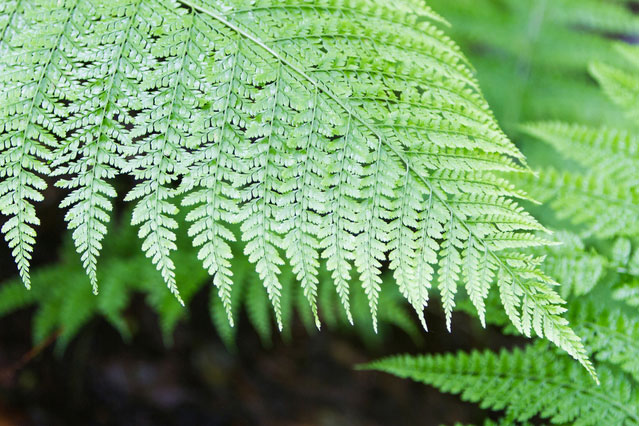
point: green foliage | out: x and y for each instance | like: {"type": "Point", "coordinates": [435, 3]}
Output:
{"type": "Point", "coordinates": [570, 263]}
{"type": "Point", "coordinates": [63, 302]}
{"type": "Point", "coordinates": [337, 140]}
{"type": "Point", "coordinates": [621, 85]}
{"type": "Point", "coordinates": [608, 182]}
{"type": "Point", "coordinates": [611, 334]}
{"type": "Point", "coordinates": [532, 56]}
{"type": "Point", "coordinates": [526, 383]}
{"type": "Point", "coordinates": [597, 190]}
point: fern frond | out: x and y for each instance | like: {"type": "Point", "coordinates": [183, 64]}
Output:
{"type": "Point", "coordinates": [621, 86]}
{"type": "Point", "coordinates": [94, 154]}
{"type": "Point", "coordinates": [350, 132]}
{"type": "Point", "coordinates": [525, 383]}
{"type": "Point", "coordinates": [577, 268]}
{"type": "Point", "coordinates": [610, 335]}
{"type": "Point", "coordinates": [164, 131]}
{"type": "Point", "coordinates": [606, 149]}
{"type": "Point", "coordinates": [608, 184]}
{"type": "Point", "coordinates": [613, 208]}
{"type": "Point", "coordinates": [33, 83]}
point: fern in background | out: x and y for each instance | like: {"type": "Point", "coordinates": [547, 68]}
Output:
{"type": "Point", "coordinates": [334, 134]}
{"type": "Point", "coordinates": [526, 383]}
{"type": "Point", "coordinates": [621, 84]}
{"type": "Point", "coordinates": [541, 50]}
{"type": "Point", "coordinates": [607, 183]}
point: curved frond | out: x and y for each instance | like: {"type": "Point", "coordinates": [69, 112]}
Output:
{"type": "Point", "coordinates": [620, 85]}
{"type": "Point", "coordinates": [350, 132]}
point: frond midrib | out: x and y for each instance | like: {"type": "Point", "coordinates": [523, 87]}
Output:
{"type": "Point", "coordinates": [335, 98]}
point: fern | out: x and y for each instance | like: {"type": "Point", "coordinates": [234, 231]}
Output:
{"type": "Point", "coordinates": [541, 50]}
{"type": "Point", "coordinates": [610, 334]}
{"type": "Point", "coordinates": [576, 267]}
{"type": "Point", "coordinates": [608, 185]}
{"type": "Point", "coordinates": [351, 138]}
{"type": "Point", "coordinates": [620, 85]}
{"type": "Point", "coordinates": [597, 260]}
{"type": "Point", "coordinates": [613, 208]}
{"type": "Point", "coordinates": [525, 383]}
{"type": "Point", "coordinates": [609, 158]}
{"type": "Point", "coordinates": [626, 260]}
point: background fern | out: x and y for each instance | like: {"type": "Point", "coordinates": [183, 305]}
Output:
{"type": "Point", "coordinates": [526, 383]}
{"type": "Point", "coordinates": [541, 51]}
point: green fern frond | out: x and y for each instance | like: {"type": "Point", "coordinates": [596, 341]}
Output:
{"type": "Point", "coordinates": [525, 383]}
{"type": "Point", "coordinates": [610, 335]}
{"type": "Point", "coordinates": [621, 85]}
{"type": "Point", "coordinates": [625, 259]}
{"type": "Point", "coordinates": [600, 148]}
{"type": "Point", "coordinates": [608, 183]}
{"type": "Point", "coordinates": [96, 138]}
{"type": "Point", "coordinates": [33, 89]}
{"type": "Point", "coordinates": [613, 208]}
{"type": "Point", "coordinates": [577, 268]}
{"type": "Point", "coordinates": [352, 132]}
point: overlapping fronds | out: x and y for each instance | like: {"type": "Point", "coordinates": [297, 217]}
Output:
{"type": "Point", "coordinates": [345, 132]}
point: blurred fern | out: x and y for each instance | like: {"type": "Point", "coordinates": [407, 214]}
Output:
{"type": "Point", "coordinates": [621, 84]}
{"type": "Point", "coordinates": [540, 51]}
{"type": "Point", "coordinates": [606, 176]}
{"type": "Point", "coordinates": [526, 383]}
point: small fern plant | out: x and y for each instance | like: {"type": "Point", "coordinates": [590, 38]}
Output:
{"type": "Point", "coordinates": [342, 132]}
